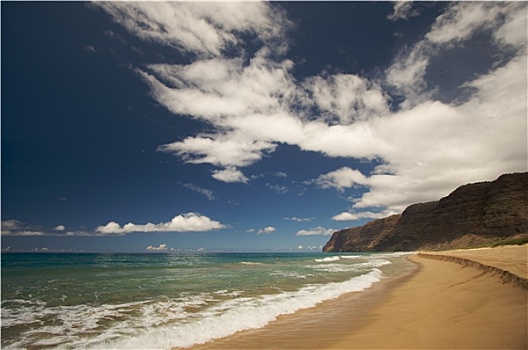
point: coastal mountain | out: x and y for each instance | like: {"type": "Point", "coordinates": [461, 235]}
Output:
{"type": "Point", "coordinates": [473, 215]}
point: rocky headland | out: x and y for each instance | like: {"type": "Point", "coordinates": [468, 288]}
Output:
{"type": "Point", "coordinates": [474, 215]}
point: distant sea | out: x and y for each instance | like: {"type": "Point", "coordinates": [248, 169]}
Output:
{"type": "Point", "coordinates": [162, 301]}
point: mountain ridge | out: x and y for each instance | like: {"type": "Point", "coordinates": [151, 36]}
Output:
{"type": "Point", "coordinates": [473, 215]}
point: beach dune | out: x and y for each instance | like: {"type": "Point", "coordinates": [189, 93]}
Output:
{"type": "Point", "coordinates": [442, 305]}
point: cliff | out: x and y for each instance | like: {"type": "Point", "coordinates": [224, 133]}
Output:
{"type": "Point", "coordinates": [473, 215]}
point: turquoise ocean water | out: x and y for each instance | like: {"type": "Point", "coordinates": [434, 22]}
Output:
{"type": "Point", "coordinates": [161, 301]}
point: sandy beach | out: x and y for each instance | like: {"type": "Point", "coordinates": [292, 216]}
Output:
{"type": "Point", "coordinates": [442, 305]}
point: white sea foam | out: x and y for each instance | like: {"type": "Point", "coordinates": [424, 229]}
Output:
{"type": "Point", "coordinates": [229, 317]}
{"type": "Point", "coordinates": [328, 259]}
{"type": "Point", "coordinates": [393, 255]}
{"type": "Point", "coordinates": [353, 257]}
{"type": "Point", "coordinates": [290, 274]}
{"type": "Point", "coordinates": [71, 324]}
{"type": "Point", "coordinates": [333, 267]}
{"type": "Point", "coordinates": [373, 263]}
{"type": "Point", "coordinates": [225, 292]}
{"type": "Point", "coordinates": [250, 263]}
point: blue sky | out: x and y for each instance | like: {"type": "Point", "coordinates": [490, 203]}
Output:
{"type": "Point", "coordinates": [248, 126]}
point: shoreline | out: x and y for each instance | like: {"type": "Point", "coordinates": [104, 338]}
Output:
{"type": "Point", "coordinates": [311, 328]}
{"type": "Point", "coordinates": [441, 304]}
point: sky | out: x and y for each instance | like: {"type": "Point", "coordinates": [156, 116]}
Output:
{"type": "Point", "coordinates": [251, 126]}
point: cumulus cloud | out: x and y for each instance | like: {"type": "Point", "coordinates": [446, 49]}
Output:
{"type": "Point", "coordinates": [342, 178]}
{"type": "Point", "coordinates": [316, 231]}
{"type": "Point", "coordinates": [189, 222]}
{"type": "Point", "coordinates": [230, 174]}
{"type": "Point", "coordinates": [161, 247]}
{"type": "Point", "coordinates": [227, 150]}
{"type": "Point", "coordinates": [345, 98]}
{"type": "Point", "coordinates": [266, 230]}
{"type": "Point", "coordinates": [59, 228]}
{"type": "Point", "coordinates": [252, 101]}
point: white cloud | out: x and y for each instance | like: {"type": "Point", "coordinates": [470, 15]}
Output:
{"type": "Point", "coordinates": [11, 224]}
{"type": "Point", "coordinates": [427, 148]}
{"type": "Point", "coordinates": [19, 228]}
{"type": "Point", "coordinates": [353, 216]}
{"type": "Point", "coordinates": [229, 175]}
{"type": "Point", "coordinates": [228, 87]}
{"type": "Point", "coordinates": [208, 193]}
{"type": "Point", "coordinates": [294, 218]}
{"type": "Point", "coordinates": [316, 231]}
{"type": "Point", "coordinates": [432, 147]}
{"type": "Point", "coordinates": [278, 188]}
{"type": "Point", "coordinates": [161, 247]}
{"type": "Point", "coordinates": [437, 147]}
{"type": "Point", "coordinates": [403, 10]}
{"type": "Point", "coordinates": [227, 150]}
{"type": "Point", "coordinates": [346, 98]}
{"type": "Point", "coordinates": [407, 73]}
{"type": "Point", "coordinates": [89, 49]}
{"type": "Point", "coordinates": [189, 222]}
{"type": "Point", "coordinates": [266, 230]}
{"type": "Point", "coordinates": [342, 178]}
{"type": "Point", "coordinates": [511, 32]}
{"type": "Point", "coordinates": [199, 28]}
{"type": "Point", "coordinates": [462, 19]}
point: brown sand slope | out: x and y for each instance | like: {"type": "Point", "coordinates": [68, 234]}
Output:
{"type": "Point", "coordinates": [509, 258]}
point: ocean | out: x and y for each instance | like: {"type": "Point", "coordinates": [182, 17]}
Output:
{"type": "Point", "coordinates": [163, 301]}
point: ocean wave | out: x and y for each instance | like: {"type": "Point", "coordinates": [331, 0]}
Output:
{"type": "Point", "coordinates": [328, 259]}
{"type": "Point", "coordinates": [190, 308]}
{"type": "Point", "coordinates": [73, 326]}
{"type": "Point", "coordinates": [234, 315]}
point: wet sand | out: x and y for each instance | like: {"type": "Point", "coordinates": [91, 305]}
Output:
{"type": "Point", "coordinates": [442, 305]}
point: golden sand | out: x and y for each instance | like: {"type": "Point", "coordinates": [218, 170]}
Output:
{"type": "Point", "coordinates": [509, 258]}
{"type": "Point", "coordinates": [443, 305]}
